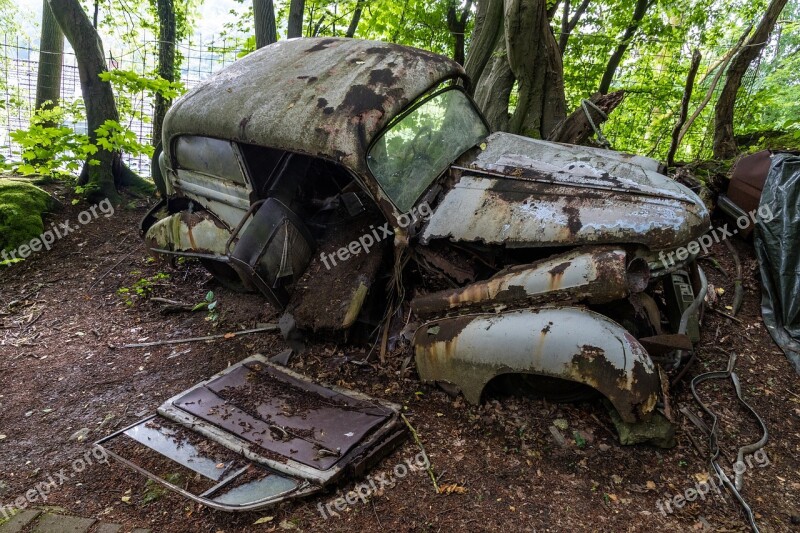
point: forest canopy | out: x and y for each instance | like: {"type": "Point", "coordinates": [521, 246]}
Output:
{"type": "Point", "coordinates": [533, 63]}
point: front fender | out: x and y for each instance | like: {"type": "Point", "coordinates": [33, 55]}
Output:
{"type": "Point", "coordinates": [570, 343]}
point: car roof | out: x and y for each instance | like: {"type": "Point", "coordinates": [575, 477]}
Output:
{"type": "Point", "coordinates": [327, 97]}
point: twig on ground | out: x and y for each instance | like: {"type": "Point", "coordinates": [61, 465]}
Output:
{"type": "Point", "coordinates": [101, 278]}
{"type": "Point", "coordinates": [424, 453]}
{"type": "Point", "coordinates": [726, 315]}
{"type": "Point", "coordinates": [29, 324]}
{"type": "Point", "coordinates": [268, 327]}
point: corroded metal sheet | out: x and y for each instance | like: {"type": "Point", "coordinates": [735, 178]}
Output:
{"type": "Point", "coordinates": [593, 275]}
{"type": "Point", "coordinates": [568, 342]}
{"type": "Point", "coordinates": [191, 232]}
{"type": "Point", "coordinates": [505, 196]}
{"type": "Point", "coordinates": [328, 97]}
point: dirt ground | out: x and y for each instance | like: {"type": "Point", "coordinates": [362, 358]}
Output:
{"type": "Point", "coordinates": [62, 320]}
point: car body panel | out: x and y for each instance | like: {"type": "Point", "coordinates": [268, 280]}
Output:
{"type": "Point", "coordinates": [505, 196]}
{"type": "Point", "coordinates": [325, 97]}
{"type": "Point", "coordinates": [562, 342]}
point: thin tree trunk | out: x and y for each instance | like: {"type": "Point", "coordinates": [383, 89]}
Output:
{"type": "Point", "coordinates": [167, 30]}
{"type": "Point", "coordinates": [687, 97]}
{"type": "Point", "coordinates": [613, 62]}
{"type": "Point", "coordinates": [264, 18]}
{"type": "Point", "coordinates": [488, 24]}
{"type": "Point", "coordinates": [351, 29]}
{"type": "Point", "coordinates": [51, 53]}
{"type": "Point", "coordinates": [457, 24]}
{"type": "Point", "coordinates": [98, 97]}
{"type": "Point", "coordinates": [295, 25]}
{"type": "Point", "coordinates": [568, 24]}
{"type": "Point", "coordinates": [724, 142]}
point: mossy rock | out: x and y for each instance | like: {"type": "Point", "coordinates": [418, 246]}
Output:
{"type": "Point", "coordinates": [22, 205]}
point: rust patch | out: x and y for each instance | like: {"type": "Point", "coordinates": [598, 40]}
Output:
{"type": "Point", "coordinates": [557, 275]}
{"type": "Point", "coordinates": [361, 98]}
{"type": "Point", "coordinates": [322, 102]}
{"type": "Point", "coordinates": [321, 45]}
{"type": "Point", "coordinates": [448, 330]}
{"type": "Point", "coordinates": [573, 218]}
{"type": "Point", "coordinates": [559, 269]}
{"type": "Point", "coordinates": [243, 124]}
{"type": "Point", "coordinates": [591, 367]}
{"type": "Point", "coordinates": [383, 76]}
{"type": "Point", "coordinates": [546, 329]}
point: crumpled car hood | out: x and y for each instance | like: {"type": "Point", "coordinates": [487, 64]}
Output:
{"type": "Point", "coordinates": [521, 192]}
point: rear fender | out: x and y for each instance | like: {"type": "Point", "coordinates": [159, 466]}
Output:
{"type": "Point", "coordinates": [570, 343]}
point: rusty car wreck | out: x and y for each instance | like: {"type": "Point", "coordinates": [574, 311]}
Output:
{"type": "Point", "coordinates": [355, 184]}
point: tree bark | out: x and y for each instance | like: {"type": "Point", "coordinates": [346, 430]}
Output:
{"type": "Point", "coordinates": [576, 129]}
{"type": "Point", "coordinates": [488, 24]}
{"type": "Point", "coordinates": [496, 83]}
{"type": "Point", "coordinates": [295, 25]}
{"type": "Point", "coordinates": [536, 64]}
{"type": "Point", "coordinates": [98, 97]}
{"type": "Point", "coordinates": [351, 29]}
{"type": "Point", "coordinates": [265, 28]}
{"type": "Point", "coordinates": [51, 53]}
{"type": "Point", "coordinates": [167, 30]}
{"type": "Point", "coordinates": [724, 142]}
{"type": "Point", "coordinates": [687, 96]}
{"type": "Point", "coordinates": [457, 24]}
{"type": "Point", "coordinates": [611, 67]}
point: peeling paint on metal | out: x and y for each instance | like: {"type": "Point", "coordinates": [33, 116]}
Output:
{"type": "Point", "coordinates": [460, 352]}
{"type": "Point", "coordinates": [595, 275]}
{"type": "Point", "coordinates": [272, 96]}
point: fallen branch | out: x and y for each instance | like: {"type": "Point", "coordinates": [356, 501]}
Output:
{"type": "Point", "coordinates": [424, 453]}
{"type": "Point", "coordinates": [173, 306]}
{"type": "Point", "coordinates": [267, 328]}
{"type": "Point", "coordinates": [738, 294]}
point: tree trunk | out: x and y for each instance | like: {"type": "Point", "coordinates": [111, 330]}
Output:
{"type": "Point", "coordinates": [615, 59]}
{"type": "Point", "coordinates": [166, 61]}
{"type": "Point", "coordinates": [684, 112]}
{"type": "Point", "coordinates": [98, 98]}
{"type": "Point", "coordinates": [295, 25]}
{"type": "Point", "coordinates": [457, 24]}
{"type": "Point", "coordinates": [51, 53]}
{"type": "Point", "coordinates": [351, 29]}
{"type": "Point", "coordinates": [536, 64]}
{"type": "Point", "coordinates": [265, 28]}
{"type": "Point", "coordinates": [576, 128]}
{"type": "Point", "coordinates": [496, 83]}
{"type": "Point", "coordinates": [724, 142]}
{"type": "Point", "coordinates": [483, 41]}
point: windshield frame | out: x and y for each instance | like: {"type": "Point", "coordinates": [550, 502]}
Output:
{"type": "Point", "coordinates": [416, 104]}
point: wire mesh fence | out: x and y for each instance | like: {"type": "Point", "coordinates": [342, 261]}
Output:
{"type": "Point", "coordinates": [19, 61]}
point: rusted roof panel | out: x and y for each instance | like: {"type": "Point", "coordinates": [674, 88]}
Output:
{"type": "Point", "coordinates": [327, 97]}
